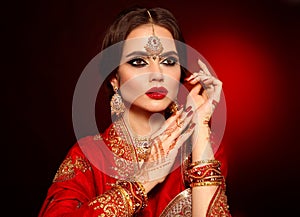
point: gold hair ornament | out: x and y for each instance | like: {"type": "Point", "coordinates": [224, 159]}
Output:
{"type": "Point", "coordinates": [154, 46]}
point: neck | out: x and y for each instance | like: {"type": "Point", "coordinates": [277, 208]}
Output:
{"type": "Point", "coordinates": [142, 123]}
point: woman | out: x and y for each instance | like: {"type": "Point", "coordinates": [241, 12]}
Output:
{"type": "Point", "coordinates": [153, 157]}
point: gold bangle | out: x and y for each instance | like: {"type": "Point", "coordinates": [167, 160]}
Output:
{"type": "Point", "coordinates": [143, 192]}
{"type": "Point", "coordinates": [209, 161]}
{"type": "Point", "coordinates": [126, 198]}
{"type": "Point", "coordinates": [136, 193]}
{"type": "Point", "coordinates": [208, 183]}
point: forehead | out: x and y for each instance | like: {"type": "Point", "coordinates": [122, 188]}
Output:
{"type": "Point", "coordinates": [138, 38]}
{"type": "Point", "coordinates": [146, 30]}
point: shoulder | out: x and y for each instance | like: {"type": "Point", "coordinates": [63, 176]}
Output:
{"type": "Point", "coordinates": [78, 152]}
{"type": "Point", "coordinates": [93, 148]}
{"type": "Point", "coordinates": [84, 143]}
{"type": "Point", "coordinates": [76, 159]}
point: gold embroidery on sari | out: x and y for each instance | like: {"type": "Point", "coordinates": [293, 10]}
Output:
{"type": "Point", "coordinates": [124, 153]}
{"type": "Point", "coordinates": [218, 206]}
{"type": "Point", "coordinates": [67, 169]}
{"type": "Point", "coordinates": [97, 137]}
{"type": "Point", "coordinates": [181, 205]}
{"type": "Point", "coordinates": [112, 203]}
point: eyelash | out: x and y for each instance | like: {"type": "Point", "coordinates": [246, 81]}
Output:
{"type": "Point", "coordinates": [133, 62]}
{"type": "Point", "coordinates": [141, 62]}
{"type": "Point", "coordinates": [171, 61]}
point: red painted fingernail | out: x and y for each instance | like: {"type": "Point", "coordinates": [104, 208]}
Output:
{"type": "Point", "coordinates": [192, 125]}
{"type": "Point", "coordinates": [188, 109]}
{"type": "Point", "coordinates": [188, 78]}
{"type": "Point", "coordinates": [190, 113]}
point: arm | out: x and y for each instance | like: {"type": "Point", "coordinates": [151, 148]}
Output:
{"type": "Point", "coordinates": [208, 200]}
{"type": "Point", "coordinates": [206, 179]}
{"type": "Point", "coordinates": [74, 191]}
{"type": "Point", "coordinates": [202, 195]}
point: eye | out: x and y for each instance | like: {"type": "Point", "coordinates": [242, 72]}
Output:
{"type": "Point", "coordinates": [170, 61]}
{"type": "Point", "coordinates": [137, 62]}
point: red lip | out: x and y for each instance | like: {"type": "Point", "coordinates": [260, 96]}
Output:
{"type": "Point", "coordinates": [157, 92]}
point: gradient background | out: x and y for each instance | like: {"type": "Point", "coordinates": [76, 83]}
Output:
{"type": "Point", "coordinates": [253, 46]}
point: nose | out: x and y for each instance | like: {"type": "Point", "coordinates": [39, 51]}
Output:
{"type": "Point", "coordinates": [155, 72]}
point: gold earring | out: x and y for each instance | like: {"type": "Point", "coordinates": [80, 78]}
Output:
{"type": "Point", "coordinates": [173, 107]}
{"type": "Point", "coordinates": [116, 103]}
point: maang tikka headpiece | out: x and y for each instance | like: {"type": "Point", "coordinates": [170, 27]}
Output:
{"type": "Point", "coordinates": [153, 46]}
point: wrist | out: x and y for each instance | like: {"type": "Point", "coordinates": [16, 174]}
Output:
{"type": "Point", "coordinates": [206, 153]}
{"type": "Point", "coordinates": [204, 173]}
{"type": "Point", "coordinates": [134, 193]}
{"type": "Point", "coordinates": [201, 142]}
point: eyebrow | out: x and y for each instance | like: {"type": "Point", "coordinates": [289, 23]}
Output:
{"type": "Point", "coordinates": [142, 53]}
{"type": "Point", "coordinates": [137, 53]}
{"type": "Point", "coordinates": [169, 53]}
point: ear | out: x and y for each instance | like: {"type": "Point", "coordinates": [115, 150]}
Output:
{"type": "Point", "coordinates": [114, 82]}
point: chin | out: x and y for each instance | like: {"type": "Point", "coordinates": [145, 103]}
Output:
{"type": "Point", "coordinates": [157, 108]}
{"type": "Point", "coordinates": [152, 106]}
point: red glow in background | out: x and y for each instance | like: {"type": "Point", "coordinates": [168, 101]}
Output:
{"type": "Point", "coordinates": [252, 46]}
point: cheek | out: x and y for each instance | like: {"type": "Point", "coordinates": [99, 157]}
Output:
{"type": "Point", "coordinates": [172, 81]}
{"type": "Point", "coordinates": [131, 92]}
{"type": "Point", "coordinates": [173, 87]}
{"type": "Point", "coordinates": [132, 87]}
{"type": "Point", "coordinates": [123, 74]}
{"type": "Point", "coordinates": [174, 71]}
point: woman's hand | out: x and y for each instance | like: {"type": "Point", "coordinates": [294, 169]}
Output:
{"type": "Point", "coordinates": [164, 146]}
{"type": "Point", "coordinates": [180, 127]}
{"type": "Point", "coordinates": [204, 103]}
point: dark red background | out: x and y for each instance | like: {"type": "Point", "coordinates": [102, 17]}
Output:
{"type": "Point", "coordinates": [253, 47]}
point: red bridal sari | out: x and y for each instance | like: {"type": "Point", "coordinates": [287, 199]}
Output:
{"type": "Point", "coordinates": [82, 185]}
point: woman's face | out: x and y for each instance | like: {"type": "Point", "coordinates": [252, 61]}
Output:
{"type": "Point", "coordinates": [146, 82]}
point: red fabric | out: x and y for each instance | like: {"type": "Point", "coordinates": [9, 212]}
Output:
{"type": "Point", "coordinates": [70, 195]}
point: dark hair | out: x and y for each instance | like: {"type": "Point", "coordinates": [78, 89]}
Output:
{"type": "Point", "coordinates": [129, 19]}
{"type": "Point", "coordinates": [125, 22]}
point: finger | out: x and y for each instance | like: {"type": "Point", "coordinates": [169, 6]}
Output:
{"type": "Point", "coordinates": [218, 90]}
{"type": "Point", "coordinates": [213, 88]}
{"type": "Point", "coordinates": [192, 76]}
{"type": "Point", "coordinates": [194, 98]}
{"type": "Point", "coordinates": [205, 95]}
{"type": "Point", "coordinates": [195, 80]}
{"type": "Point", "coordinates": [180, 122]}
{"type": "Point", "coordinates": [180, 125]}
{"type": "Point", "coordinates": [208, 80]}
{"type": "Point", "coordinates": [203, 79]}
{"type": "Point", "coordinates": [196, 89]}
{"type": "Point", "coordinates": [154, 147]}
{"type": "Point", "coordinates": [182, 138]}
{"type": "Point", "coordinates": [161, 149]}
{"type": "Point", "coordinates": [211, 80]}
{"type": "Point", "coordinates": [162, 142]}
{"type": "Point", "coordinates": [203, 67]}
{"type": "Point", "coordinates": [167, 124]}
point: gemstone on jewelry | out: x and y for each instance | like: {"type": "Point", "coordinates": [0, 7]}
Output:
{"type": "Point", "coordinates": [154, 46]}
{"type": "Point", "coordinates": [142, 145]}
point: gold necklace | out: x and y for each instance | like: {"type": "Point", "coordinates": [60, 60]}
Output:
{"type": "Point", "coordinates": [142, 146]}
{"type": "Point", "coordinates": [140, 143]}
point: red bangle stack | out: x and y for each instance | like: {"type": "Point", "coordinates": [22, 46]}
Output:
{"type": "Point", "coordinates": [204, 173]}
